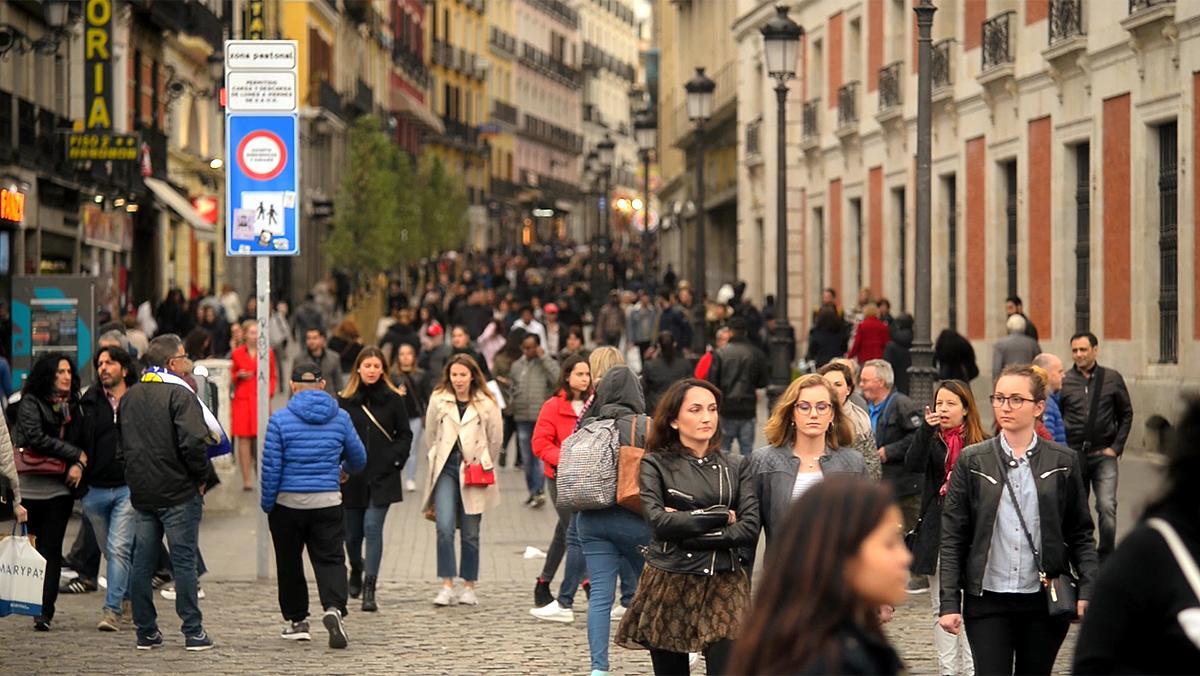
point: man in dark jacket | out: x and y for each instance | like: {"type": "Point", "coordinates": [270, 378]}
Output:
{"type": "Point", "coordinates": [325, 360]}
{"type": "Point", "coordinates": [303, 501]}
{"type": "Point", "coordinates": [739, 369]}
{"type": "Point", "coordinates": [1101, 441]}
{"type": "Point", "coordinates": [673, 320]}
{"type": "Point", "coordinates": [895, 419]}
{"type": "Point", "coordinates": [898, 352]}
{"type": "Point", "coordinates": [164, 441]}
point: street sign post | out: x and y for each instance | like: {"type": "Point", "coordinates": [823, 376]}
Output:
{"type": "Point", "coordinates": [262, 184]}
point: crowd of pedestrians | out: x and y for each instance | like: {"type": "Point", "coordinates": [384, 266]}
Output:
{"type": "Point", "coordinates": [862, 497]}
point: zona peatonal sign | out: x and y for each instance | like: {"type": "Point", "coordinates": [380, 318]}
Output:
{"type": "Point", "coordinates": [262, 141]}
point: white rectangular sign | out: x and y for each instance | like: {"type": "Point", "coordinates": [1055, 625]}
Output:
{"type": "Point", "coordinates": [260, 54]}
{"type": "Point", "coordinates": [253, 91]}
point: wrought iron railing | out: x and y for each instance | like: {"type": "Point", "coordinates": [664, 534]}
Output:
{"type": "Point", "coordinates": [997, 40]}
{"type": "Point", "coordinates": [1138, 5]}
{"type": "Point", "coordinates": [1066, 20]}
{"type": "Point", "coordinates": [753, 131]}
{"type": "Point", "coordinates": [503, 112]}
{"type": "Point", "coordinates": [811, 118]}
{"type": "Point", "coordinates": [940, 67]}
{"type": "Point", "coordinates": [890, 79]}
{"type": "Point", "coordinates": [848, 103]}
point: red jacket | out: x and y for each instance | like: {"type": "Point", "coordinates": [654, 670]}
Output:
{"type": "Point", "coordinates": [703, 366]}
{"type": "Point", "coordinates": [870, 339]}
{"type": "Point", "coordinates": [555, 422]}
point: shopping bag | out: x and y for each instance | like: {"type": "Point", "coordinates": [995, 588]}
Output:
{"type": "Point", "coordinates": [22, 572]}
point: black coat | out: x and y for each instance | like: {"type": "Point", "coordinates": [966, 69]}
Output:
{"type": "Point", "coordinates": [164, 445]}
{"type": "Point", "coordinates": [739, 369]}
{"type": "Point", "coordinates": [659, 374]}
{"type": "Point", "coordinates": [851, 650]}
{"type": "Point", "coordinates": [825, 346]}
{"type": "Point", "coordinates": [927, 456]}
{"type": "Point", "coordinates": [381, 482]}
{"type": "Point", "coordinates": [40, 429]}
{"type": "Point", "coordinates": [894, 432]}
{"type": "Point", "coordinates": [955, 358]}
{"type": "Point", "coordinates": [1114, 412]}
{"type": "Point", "coordinates": [898, 353]}
{"type": "Point", "coordinates": [99, 436]}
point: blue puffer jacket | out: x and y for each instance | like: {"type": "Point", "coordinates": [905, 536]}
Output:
{"type": "Point", "coordinates": [306, 445]}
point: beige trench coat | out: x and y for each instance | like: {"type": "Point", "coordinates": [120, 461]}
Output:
{"type": "Point", "coordinates": [480, 432]}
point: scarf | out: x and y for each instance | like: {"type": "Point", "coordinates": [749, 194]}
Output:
{"type": "Point", "coordinates": [954, 439]}
{"type": "Point", "coordinates": [218, 441]}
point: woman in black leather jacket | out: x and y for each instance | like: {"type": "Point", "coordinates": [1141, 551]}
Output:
{"type": "Point", "coordinates": [48, 419]}
{"type": "Point", "coordinates": [703, 513]}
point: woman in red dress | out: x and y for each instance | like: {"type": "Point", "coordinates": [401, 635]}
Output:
{"type": "Point", "coordinates": [244, 411]}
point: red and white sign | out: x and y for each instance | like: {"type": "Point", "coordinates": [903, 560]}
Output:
{"type": "Point", "coordinates": [206, 208]}
{"type": "Point", "coordinates": [262, 155]}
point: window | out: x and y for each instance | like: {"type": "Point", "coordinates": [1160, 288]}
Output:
{"type": "Point", "coordinates": [898, 199]}
{"type": "Point", "coordinates": [1010, 219]}
{"type": "Point", "coordinates": [859, 248]}
{"type": "Point", "coordinates": [1168, 244]}
{"type": "Point", "coordinates": [950, 189]}
{"type": "Point", "coordinates": [1083, 237]}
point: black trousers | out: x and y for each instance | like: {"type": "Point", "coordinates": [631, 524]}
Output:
{"type": "Point", "coordinates": [322, 531]}
{"type": "Point", "coordinates": [84, 557]}
{"type": "Point", "coordinates": [48, 524]}
{"type": "Point", "coordinates": [1012, 633]}
{"type": "Point", "coordinates": [667, 663]}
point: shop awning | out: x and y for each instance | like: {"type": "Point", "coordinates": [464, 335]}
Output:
{"type": "Point", "coordinates": [170, 198]}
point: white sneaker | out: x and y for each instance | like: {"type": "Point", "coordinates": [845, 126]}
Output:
{"type": "Point", "coordinates": [168, 592]}
{"type": "Point", "coordinates": [103, 581]}
{"type": "Point", "coordinates": [445, 597]}
{"type": "Point", "coordinates": [468, 598]}
{"type": "Point", "coordinates": [618, 612]}
{"type": "Point", "coordinates": [552, 612]}
{"type": "Point", "coordinates": [410, 486]}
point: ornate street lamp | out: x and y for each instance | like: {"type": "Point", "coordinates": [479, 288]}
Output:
{"type": "Point", "coordinates": [645, 130]}
{"type": "Point", "coordinates": [699, 109]}
{"type": "Point", "coordinates": [781, 38]}
{"type": "Point", "coordinates": [922, 373]}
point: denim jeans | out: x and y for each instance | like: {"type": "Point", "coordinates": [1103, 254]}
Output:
{"type": "Point", "coordinates": [611, 540]}
{"type": "Point", "coordinates": [365, 524]}
{"type": "Point", "coordinates": [448, 506]}
{"type": "Point", "coordinates": [535, 476]}
{"type": "Point", "coordinates": [181, 525]}
{"type": "Point", "coordinates": [742, 430]}
{"type": "Point", "coordinates": [417, 425]}
{"type": "Point", "coordinates": [111, 516]}
{"type": "Point", "coordinates": [566, 541]}
{"type": "Point", "coordinates": [1102, 480]}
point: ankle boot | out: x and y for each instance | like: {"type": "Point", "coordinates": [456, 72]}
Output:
{"type": "Point", "coordinates": [368, 595]}
{"type": "Point", "coordinates": [356, 582]}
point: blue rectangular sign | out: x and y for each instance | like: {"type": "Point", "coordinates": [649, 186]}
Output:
{"type": "Point", "coordinates": [262, 185]}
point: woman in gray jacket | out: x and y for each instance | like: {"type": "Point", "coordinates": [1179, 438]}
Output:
{"type": "Point", "coordinates": [809, 438]}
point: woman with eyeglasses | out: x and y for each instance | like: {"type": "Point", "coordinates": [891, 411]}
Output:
{"type": "Point", "coordinates": [809, 437]}
{"type": "Point", "coordinates": [1015, 518]}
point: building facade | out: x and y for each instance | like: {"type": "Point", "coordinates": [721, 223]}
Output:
{"type": "Point", "coordinates": [1061, 134]}
{"type": "Point", "coordinates": [505, 197]}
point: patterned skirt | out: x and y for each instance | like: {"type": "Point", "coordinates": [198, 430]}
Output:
{"type": "Point", "coordinates": [684, 613]}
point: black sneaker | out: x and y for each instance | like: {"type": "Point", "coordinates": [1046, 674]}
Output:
{"type": "Point", "coordinates": [150, 642]}
{"type": "Point", "coordinates": [296, 631]}
{"type": "Point", "coordinates": [79, 585]}
{"type": "Point", "coordinates": [159, 581]}
{"type": "Point", "coordinates": [917, 584]}
{"type": "Point", "coordinates": [541, 594]}
{"type": "Point", "coordinates": [198, 643]}
{"type": "Point", "coordinates": [337, 629]}
{"type": "Point", "coordinates": [41, 624]}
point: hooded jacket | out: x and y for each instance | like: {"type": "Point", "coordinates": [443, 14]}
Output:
{"type": "Point", "coordinates": [306, 446]}
{"type": "Point", "coordinates": [618, 395]}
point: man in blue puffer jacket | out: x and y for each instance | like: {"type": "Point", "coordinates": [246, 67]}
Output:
{"type": "Point", "coordinates": [309, 446]}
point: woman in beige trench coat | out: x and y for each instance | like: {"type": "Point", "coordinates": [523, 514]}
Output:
{"type": "Point", "coordinates": [463, 427]}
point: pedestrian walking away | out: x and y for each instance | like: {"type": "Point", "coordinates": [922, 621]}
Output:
{"type": "Point", "coordinates": [414, 386]}
{"type": "Point", "coordinates": [165, 439]}
{"type": "Point", "coordinates": [816, 610]}
{"type": "Point", "coordinates": [702, 508]}
{"type": "Point", "coordinates": [666, 368]}
{"type": "Point", "coordinates": [951, 425]}
{"type": "Point", "coordinates": [1014, 520]}
{"type": "Point", "coordinates": [738, 370]}
{"type": "Point", "coordinates": [555, 423]}
{"type": "Point", "coordinates": [809, 439]}
{"type": "Point", "coordinates": [1015, 348]}
{"type": "Point", "coordinates": [377, 410]}
{"type": "Point", "coordinates": [463, 431]}
{"type": "Point", "coordinates": [1097, 414]}
{"type": "Point", "coordinates": [871, 336]}
{"type": "Point", "coordinates": [310, 446]}
{"type": "Point", "coordinates": [534, 377]}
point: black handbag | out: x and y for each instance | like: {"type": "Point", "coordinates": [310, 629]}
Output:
{"type": "Point", "coordinates": [1062, 592]}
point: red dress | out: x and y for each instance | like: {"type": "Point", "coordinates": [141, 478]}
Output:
{"type": "Point", "coordinates": [243, 412]}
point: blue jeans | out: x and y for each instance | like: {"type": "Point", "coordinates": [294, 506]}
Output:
{"type": "Point", "coordinates": [111, 516]}
{"type": "Point", "coordinates": [365, 524]}
{"type": "Point", "coordinates": [535, 476]}
{"type": "Point", "coordinates": [742, 430]}
{"type": "Point", "coordinates": [417, 426]}
{"type": "Point", "coordinates": [611, 540]}
{"type": "Point", "coordinates": [576, 569]}
{"type": "Point", "coordinates": [181, 525]}
{"type": "Point", "coordinates": [1102, 480]}
{"type": "Point", "coordinates": [448, 506]}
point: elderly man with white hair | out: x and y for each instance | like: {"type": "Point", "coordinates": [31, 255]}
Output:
{"type": "Point", "coordinates": [1015, 348]}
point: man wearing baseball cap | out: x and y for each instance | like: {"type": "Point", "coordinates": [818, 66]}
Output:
{"type": "Point", "coordinates": [310, 445]}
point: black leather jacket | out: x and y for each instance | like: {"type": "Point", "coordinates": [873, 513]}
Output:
{"type": "Point", "coordinates": [738, 369]}
{"type": "Point", "coordinates": [697, 538]}
{"type": "Point", "coordinates": [969, 517]}
{"type": "Point", "coordinates": [38, 428]}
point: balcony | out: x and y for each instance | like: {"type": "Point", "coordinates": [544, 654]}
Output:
{"type": "Point", "coordinates": [811, 124]}
{"type": "Point", "coordinates": [848, 109]}
{"type": "Point", "coordinates": [1150, 22]}
{"type": "Point", "coordinates": [753, 142]}
{"type": "Point", "coordinates": [595, 58]}
{"type": "Point", "coordinates": [558, 10]}
{"type": "Point", "coordinates": [460, 134]}
{"type": "Point", "coordinates": [591, 113]}
{"type": "Point", "coordinates": [891, 78]}
{"type": "Point", "coordinates": [998, 45]}
{"type": "Point", "coordinates": [941, 66]}
{"type": "Point", "coordinates": [504, 190]}
{"type": "Point", "coordinates": [1066, 37]}
{"type": "Point", "coordinates": [552, 135]}
{"type": "Point", "coordinates": [412, 65]}
{"type": "Point", "coordinates": [503, 42]}
{"type": "Point", "coordinates": [543, 62]}
{"type": "Point", "coordinates": [327, 97]}
{"type": "Point", "coordinates": [502, 112]}
{"type": "Point", "coordinates": [363, 100]}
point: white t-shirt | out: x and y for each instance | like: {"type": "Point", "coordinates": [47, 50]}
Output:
{"type": "Point", "coordinates": [805, 481]}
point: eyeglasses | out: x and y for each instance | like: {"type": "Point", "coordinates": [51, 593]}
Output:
{"type": "Point", "coordinates": [1015, 401]}
{"type": "Point", "coordinates": [806, 408]}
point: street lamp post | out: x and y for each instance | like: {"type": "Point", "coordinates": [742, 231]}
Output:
{"type": "Point", "coordinates": [606, 152]}
{"type": "Point", "coordinates": [781, 37]}
{"type": "Point", "coordinates": [699, 108]}
{"type": "Point", "coordinates": [922, 372]}
{"type": "Point", "coordinates": [645, 129]}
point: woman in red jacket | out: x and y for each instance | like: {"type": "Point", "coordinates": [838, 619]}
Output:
{"type": "Point", "coordinates": [555, 423]}
{"type": "Point", "coordinates": [871, 336]}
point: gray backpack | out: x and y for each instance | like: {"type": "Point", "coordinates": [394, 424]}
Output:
{"type": "Point", "coordinates": [587, 467]}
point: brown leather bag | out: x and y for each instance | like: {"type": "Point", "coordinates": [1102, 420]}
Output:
{"type": "Point", "coordinates": [629, 467]}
